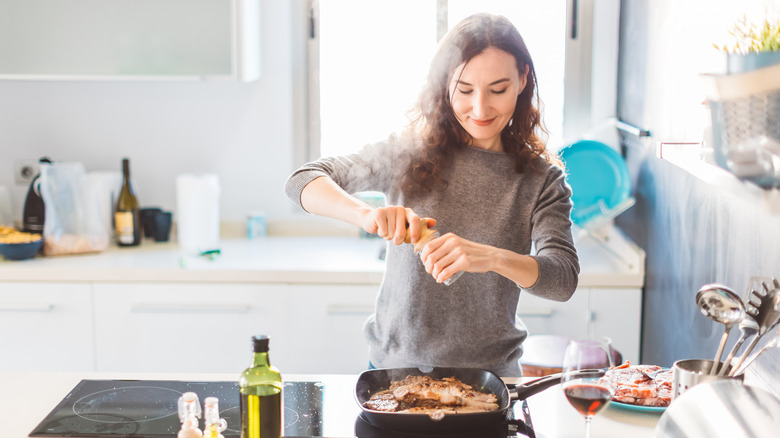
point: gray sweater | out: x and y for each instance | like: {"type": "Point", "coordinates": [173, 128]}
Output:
{"type": "Point", "coordinates": [473, 322]}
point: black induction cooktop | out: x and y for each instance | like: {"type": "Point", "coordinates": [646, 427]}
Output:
{"type": "Point", "coordinates": [148, 409]}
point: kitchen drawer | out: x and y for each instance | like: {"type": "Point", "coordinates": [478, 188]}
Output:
{"type": "Point", "coordinates": [186, 327]}
{"type": "Point", "coordinates": [46, 327]}
{"type": "Point", "coordinates": [326, 326]}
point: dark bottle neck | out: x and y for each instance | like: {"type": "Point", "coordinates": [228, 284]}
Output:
{"type": "Point", "coordinates": [126, 169]}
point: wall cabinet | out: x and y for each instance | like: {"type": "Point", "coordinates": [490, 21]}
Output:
{"type": "Point", "coordinates": [46, 327]}
{"type": "Point", "coordinates": [130, 39]}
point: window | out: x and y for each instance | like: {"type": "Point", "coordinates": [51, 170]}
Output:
{"type": "Point", "coordinates": [368, 61]}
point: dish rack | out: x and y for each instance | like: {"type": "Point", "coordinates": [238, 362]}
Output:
{"type": "Point", "coordinates": [745, 111]}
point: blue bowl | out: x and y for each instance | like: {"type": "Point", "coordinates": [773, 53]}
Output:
{"type": "Point", "coordinates": [20, 251]}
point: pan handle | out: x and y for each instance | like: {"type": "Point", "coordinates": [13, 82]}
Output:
{"type": "Point", "coordinates": [525, 390]}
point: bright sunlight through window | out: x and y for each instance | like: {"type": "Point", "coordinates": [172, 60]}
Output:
{"type": "Point", "coordinates": [374, 57]}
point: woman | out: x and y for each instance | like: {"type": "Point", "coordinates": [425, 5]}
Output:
{"type": "Point", "coordinates": [473, 165]}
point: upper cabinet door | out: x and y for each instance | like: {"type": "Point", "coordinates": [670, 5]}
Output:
{"type": "Point", "coordinates": [130, 39]}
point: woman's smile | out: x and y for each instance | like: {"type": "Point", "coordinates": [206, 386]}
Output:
{"type": "Point", "coordinates": [484, 122]}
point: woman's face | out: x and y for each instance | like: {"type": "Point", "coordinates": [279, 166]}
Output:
{"type": "Point", "coordinates": [483, 93]}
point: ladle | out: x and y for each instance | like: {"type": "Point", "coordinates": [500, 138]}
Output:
{"type": "Point", "coordinates": [723, 305]}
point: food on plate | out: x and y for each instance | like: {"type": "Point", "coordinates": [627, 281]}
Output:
{"type": "Point", "coordinates": [436, 397]}
{"type": "Point", "coordinates": [11, 235]}
{"type": "Point", "coordinates": [633, 387]}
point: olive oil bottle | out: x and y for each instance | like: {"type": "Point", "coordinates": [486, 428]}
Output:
{"type": "Point", "coordinates": [261, 395]}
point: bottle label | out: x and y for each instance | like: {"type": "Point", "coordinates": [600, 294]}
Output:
{"type": "Point", "coordinates": [124, 226]}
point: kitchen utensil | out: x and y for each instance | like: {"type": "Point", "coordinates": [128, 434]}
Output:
{"type": "Point", "coordinates": [721, 409]}
{"type": "Point", "coordinates": [748, 327]}
{"type": "Point", "coordinates": [651, 375]}
{"type": "Point", "coordinates": [372, 381]}
{"type": "Point", "coordinates": [772, 344]}
{"type": "Point", "coordinates": [723, 305]}
{"type": "Point", "coordinates": [768, 317]}
{"type": "Point", "coordinates": [691, 372]}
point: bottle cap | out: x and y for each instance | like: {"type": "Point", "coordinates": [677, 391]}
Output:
{"type": "Point", "coordinates": [260, 343]}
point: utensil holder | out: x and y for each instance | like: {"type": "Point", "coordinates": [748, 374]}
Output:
{"type": "Point", "coordinates": [690, 372]}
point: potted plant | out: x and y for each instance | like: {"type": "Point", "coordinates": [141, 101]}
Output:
{"type": "Point", "coordinates": [754, 47]}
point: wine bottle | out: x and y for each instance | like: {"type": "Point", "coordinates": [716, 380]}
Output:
{"type": "Point", "coordinates": [127, 219]}
{"type": "Point", "coordinates": [34, 210]}
{"type": "Point", "coordinates": [261, 395]}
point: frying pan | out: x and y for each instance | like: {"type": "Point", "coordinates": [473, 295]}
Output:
{"type": "Point", "coordinates": [372, 381]}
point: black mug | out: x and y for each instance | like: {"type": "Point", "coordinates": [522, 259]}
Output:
{"type": "Point", "coordinates": [162, 226]}
{"type": "Point", "coordinates": [147, 220]}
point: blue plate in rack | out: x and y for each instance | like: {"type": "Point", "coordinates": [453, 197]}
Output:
{"type": "Point", "coordinates": [598, 177]}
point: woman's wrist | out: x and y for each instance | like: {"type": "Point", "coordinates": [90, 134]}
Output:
{"type": "Point", "coordinates": [520, 268]}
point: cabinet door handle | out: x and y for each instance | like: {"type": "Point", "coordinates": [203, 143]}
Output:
{"type": "Point", "coordinates": [536, 311]}
{"type": "Point", "coordinates": [26, 307]}
{"type": "Point", "coordinates": [351, 308]}
{"type": "Point", "coordinates": [189, 308]}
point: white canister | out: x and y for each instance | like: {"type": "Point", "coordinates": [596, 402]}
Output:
{"type": "Point", "coordinates": [197, 212]}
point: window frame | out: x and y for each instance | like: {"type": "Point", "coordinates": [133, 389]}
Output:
{"type": "Point", "coordinates": [590, 88]}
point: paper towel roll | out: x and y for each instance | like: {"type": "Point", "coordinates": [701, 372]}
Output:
{"type": "Point", "coordinates": [197, 212]}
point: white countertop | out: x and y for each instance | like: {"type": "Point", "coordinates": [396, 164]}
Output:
{"type": "Point", "coordinates": [332, 259]}
{"type": "Point", "coordinates": [29, 397]}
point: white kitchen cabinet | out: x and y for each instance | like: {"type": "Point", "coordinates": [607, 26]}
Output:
{"type": "Point", "coordinates": [46, 327]}
{"type": "Point", "coordinates": [617, 313]}
{"type": "Point", "coordinates": [130, 39]}
{"type": "Point", "coordinates": [187, 327]}
{"type": "Point", "coordinates": [326, 325]}
{"type": "Point", "coordinates": [612, 312]}
{"type": "Point", "coordinates": [543, 316]}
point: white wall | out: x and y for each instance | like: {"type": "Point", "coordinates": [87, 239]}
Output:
{"type": "Point", "coordinates": [241, 131]}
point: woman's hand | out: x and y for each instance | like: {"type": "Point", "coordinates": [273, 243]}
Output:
{"type": "Point", "coordinates": [392, 222]}
{"type": "Point", "coordinates": [445, 256]}
{"type": "Point", "coordinates": [449, 254]}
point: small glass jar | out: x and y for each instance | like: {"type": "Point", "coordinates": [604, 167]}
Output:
{"type": "Point", "coordinates": [426, 235]}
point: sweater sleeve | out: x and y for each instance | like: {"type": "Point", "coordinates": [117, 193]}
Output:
{"type": "Point", "coordinates": [377, 167]}
{"type": "Point", "coordinates": [552, 237]}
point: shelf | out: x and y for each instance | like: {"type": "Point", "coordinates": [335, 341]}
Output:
{"type": "Point", "coordinates": [700, 163]}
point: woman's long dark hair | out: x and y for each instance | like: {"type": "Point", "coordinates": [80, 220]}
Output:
{"type": "Point", "coordinates": [434, 117]}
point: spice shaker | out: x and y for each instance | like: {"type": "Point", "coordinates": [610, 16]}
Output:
{"type": "Point", "coordinates": [427, 235]}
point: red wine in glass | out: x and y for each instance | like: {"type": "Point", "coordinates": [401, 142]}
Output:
{"type": "Point", "coordinates": [588, 399]}
{"type": "Point", "coordinates": [588, 395]}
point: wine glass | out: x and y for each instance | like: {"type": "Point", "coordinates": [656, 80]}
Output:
{"type": "Point", "coordinates": [588, 393]}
